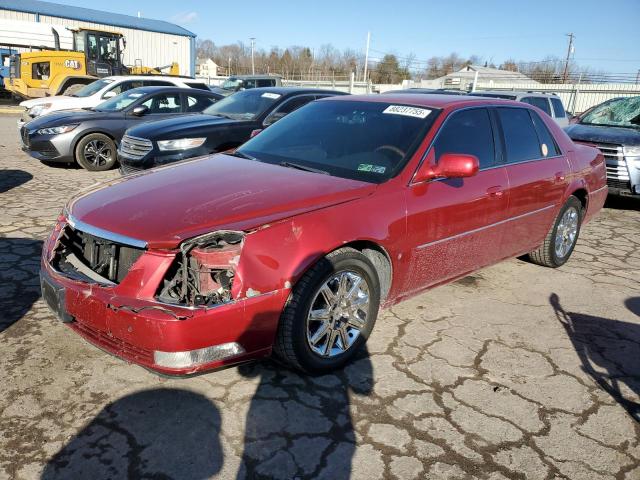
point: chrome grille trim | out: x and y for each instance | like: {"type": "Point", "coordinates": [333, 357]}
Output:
{"type": "Point", "coordinates": [135, 147]}
{"type": "Point", "coordinates": [100, 233]}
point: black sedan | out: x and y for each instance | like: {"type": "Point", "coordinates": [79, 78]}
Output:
{"type": "Point", "coordinates": [223, 126]}
{"type": "Point", "coordinates": [90, 136]}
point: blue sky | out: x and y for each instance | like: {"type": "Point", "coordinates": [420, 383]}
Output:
{"type": "Point", "coordinates": [607, 32]}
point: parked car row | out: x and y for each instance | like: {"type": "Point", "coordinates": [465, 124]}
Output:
{"type": "Point", "coordinates": [290, 243]}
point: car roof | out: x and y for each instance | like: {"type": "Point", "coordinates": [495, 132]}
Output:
{"type": "Point", "coordinates": [255, 77]}
{"type": "Point", "coordinates": [151, 77]}
{"type": "Point", "coordinates": [515, 93]}
{"type": "Point", "coordinates": [286, 91]}
{"type": "Point", "coordinates": [440, 91]}
{"type": "Point", "coordinates": [170, 89]}
{"type": "Point", "coordinates": [430, 100]}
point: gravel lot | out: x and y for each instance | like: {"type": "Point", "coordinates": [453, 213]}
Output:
{"type": "Point", "coordinates": [514, 372]}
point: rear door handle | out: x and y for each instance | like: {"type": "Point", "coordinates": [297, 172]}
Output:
{"type": "Point", "coordinates": [496, 191]}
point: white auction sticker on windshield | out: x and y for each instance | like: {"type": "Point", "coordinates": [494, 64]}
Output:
{"type": "Point", "coordinates": [135, 95]}
{"type": "Point", "coordinates": [270, 95]}
{"type": "Point", "coordinates": [407, 111]}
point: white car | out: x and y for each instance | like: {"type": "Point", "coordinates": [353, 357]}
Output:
{"type": "Point", "coordinates": [97, 92]}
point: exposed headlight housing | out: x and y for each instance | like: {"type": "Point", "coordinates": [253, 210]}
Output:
{"type": "Point", "coordinates": [201, 356]}
{"type": "Point", "coordinates": [180, 143]}
{"type": "Point", "coordinates": [38, 110]}
{"type": "Point", "coordinates": [56, 130]}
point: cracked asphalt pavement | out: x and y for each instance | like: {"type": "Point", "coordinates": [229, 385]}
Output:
{"type": "Point", "coordinates": [516, 371]}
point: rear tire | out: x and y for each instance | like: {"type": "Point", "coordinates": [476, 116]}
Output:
{"type": "Point", "coordinates": [96, 152]}
{"type": "Point", "coordinates": [330, 313]}
{"type": "Point", "coordinates": [561, 239]}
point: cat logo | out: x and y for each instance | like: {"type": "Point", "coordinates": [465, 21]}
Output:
{"type": "Point", "coordinates": [74, 64]}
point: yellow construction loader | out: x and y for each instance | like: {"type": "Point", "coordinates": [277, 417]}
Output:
{"type": "Point", "coordinates": [95, 54]}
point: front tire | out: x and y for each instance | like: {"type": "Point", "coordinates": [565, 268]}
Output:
{"type": "Point", "coordinates": [330, 313]}
{"type": "Point", "coordinates": [96, 152]}
{"type": "Point", "coordinates": [561, 239]}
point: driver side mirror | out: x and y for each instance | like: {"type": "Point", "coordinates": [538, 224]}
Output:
{"type": "Point", "coordinates": [139, 110]}
{"type": "Point", "coordinates": [273, 118]}
{"type": "Point", "coordinates": [450, 165]}
{"type": "Point", "coordinates": [109, 94]}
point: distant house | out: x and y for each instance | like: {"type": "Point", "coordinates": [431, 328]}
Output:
{"type": "Point", "coordinates": [463, 78]}
{"type": "Point", "coordinates": [205, 67]}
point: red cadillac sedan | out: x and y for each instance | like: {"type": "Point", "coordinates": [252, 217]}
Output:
{"type": "Point", "coordinates": [291, 244]}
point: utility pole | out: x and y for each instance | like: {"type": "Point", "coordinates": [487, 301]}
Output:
{"type": "Point", "coordinates": [366, 57]}
{"type": "Point", "coordinates": [566, 63]}
{"type": "Point", "coordinates": [229, 69]}
{"type": "Point", "coordinates": [253, 66]}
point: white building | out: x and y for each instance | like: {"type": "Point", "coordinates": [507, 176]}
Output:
{"type": "Point", "coordinates": [463, 78]}
{"type": "Point", "coordinates": [205, 67]}
{"type": "Point", "coordinates": [153, 43]}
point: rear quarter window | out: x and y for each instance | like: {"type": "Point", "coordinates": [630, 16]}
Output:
{"type": "Point", "coordinates": [548, 146]}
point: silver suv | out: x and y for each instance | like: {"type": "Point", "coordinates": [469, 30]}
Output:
{"type": "Point", "coordinates": [548, 103]}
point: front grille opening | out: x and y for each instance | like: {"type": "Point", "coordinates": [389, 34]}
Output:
{"type": "Point", "coordinates": [88, 258]}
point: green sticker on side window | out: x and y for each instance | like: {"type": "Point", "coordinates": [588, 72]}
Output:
{"type": "Point", "coordinates": [367, 167]}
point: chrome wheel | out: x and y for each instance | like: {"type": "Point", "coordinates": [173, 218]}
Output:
{"type": "Point", "coordinates": [566, 232]}
{"type": "Point", "coordinates": [97, 152]}
{"type": "Point", "coordinates": [338, 314]}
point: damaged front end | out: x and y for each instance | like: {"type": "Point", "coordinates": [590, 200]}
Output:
{"type": "Point", "coordinates": [204, 271]}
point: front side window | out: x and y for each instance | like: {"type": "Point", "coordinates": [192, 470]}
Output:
{"type": "Point", "coordinates": [368, 141]}
{"type": "Point", "coordinates": [245, 105]}
{"type": "Point", "coordinates": [558, 108]}
{"type": "Point", "coordinates": [521, 139]}
{"type": "Point", "coordinates": [540, 102]}
{"type": "Point", "coordinates": [468, 132]}
{"type": "Point", "coordinates": [157, 83]}
{"type": "Point", "coordinates": [128, 85]}
{"type": "Point", "coordinates": [92, 47]}
{"type": "Point", "coordinates": [232, 84]}
{"type": "Point", "coordinates": [621, 112]}
{"type": "Point", "coordinates": [164, 103]}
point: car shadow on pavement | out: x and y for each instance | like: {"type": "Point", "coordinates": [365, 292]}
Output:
{"type": "Point", "coordinates": [158, 433]}
{"type": "Point", "coordinates": [19, 280]}
{"type": "Point", "coordinates": [619, 202]}
{"type": "Point", "coordinates": [13, 178]}
{"type": "Point", "coordinates": [300, 426]}
{"type": "Point", "coordinates": [608, 350]}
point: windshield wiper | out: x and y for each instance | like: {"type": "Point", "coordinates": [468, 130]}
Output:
{"type": "Point", "coordinates": [303, 167]}
{"type": "Point", "coordinates": [242, 155]}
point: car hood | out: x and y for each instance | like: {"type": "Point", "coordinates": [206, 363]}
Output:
{"type": "Point", "coordinates": [65, 117]}
{"type": "Point", "coordinates": [176, 126]}
{"type": "Point", "coordinates": [53, 101]}
{"type": "Point", "coordinates": [167, 205]}
{"type": "Point", "coordinates": [603, 134]}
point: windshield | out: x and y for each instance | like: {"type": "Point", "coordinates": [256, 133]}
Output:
{"type": "Point", "coordinates": [245, 105]}
{"type": "Point", "coordinates": [369, 141]}
{"type": "Point", "coordinates": [622, 112]}
{"type": "Point", "coordinates": [232, 84]}
{"type": "Point", "coordinates": [120, 102]}
{"type": "Point", "coordinates": [93, 87]}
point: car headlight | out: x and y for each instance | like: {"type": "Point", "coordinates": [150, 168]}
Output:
{"type": "Point", "coordinates": [180, 143]}
{"type": "Point", "coordinates": [632, 154]}
{"type": "Point", "coordinates": [38, 110]}
{"type": "Point", "coordinates": [56, 130]}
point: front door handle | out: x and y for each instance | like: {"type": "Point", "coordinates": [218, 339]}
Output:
{"type": "Point", "coordinates": [559, 177]}
{"type": "Point", "coordinates": [496, 191]}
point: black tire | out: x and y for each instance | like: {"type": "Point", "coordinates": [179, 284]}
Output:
{"type": "Point", "coordinates": [105, 155]}
{"type": "Point", "coordinates": [545, 254]}
{"type": "Point", "coordinates": [291, 345]}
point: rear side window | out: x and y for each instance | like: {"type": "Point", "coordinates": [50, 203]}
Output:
{"type": "Point", "coordinates": [197, 103]}
{"type": "Point", "coordinates": [558, 108]}
{"type": "Point", "coordinates": [157, 83]}
{"type": "Point", "coordinates": [540, 102]}
{"type": "Point", "coordinates": [520, 136]}
{"type": "Point", "coordinates": [124, 86]}
{"type": "Point", "coordinates": [295, 103]}
{"type": "Point", "coordinates": [266, 83]}
{"type": "Point", "coordinates": [468, 132]}
{"type": "Point", "coordinates": [548, 146]}
{"type": "Point", "coordinates": [164, 103]}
